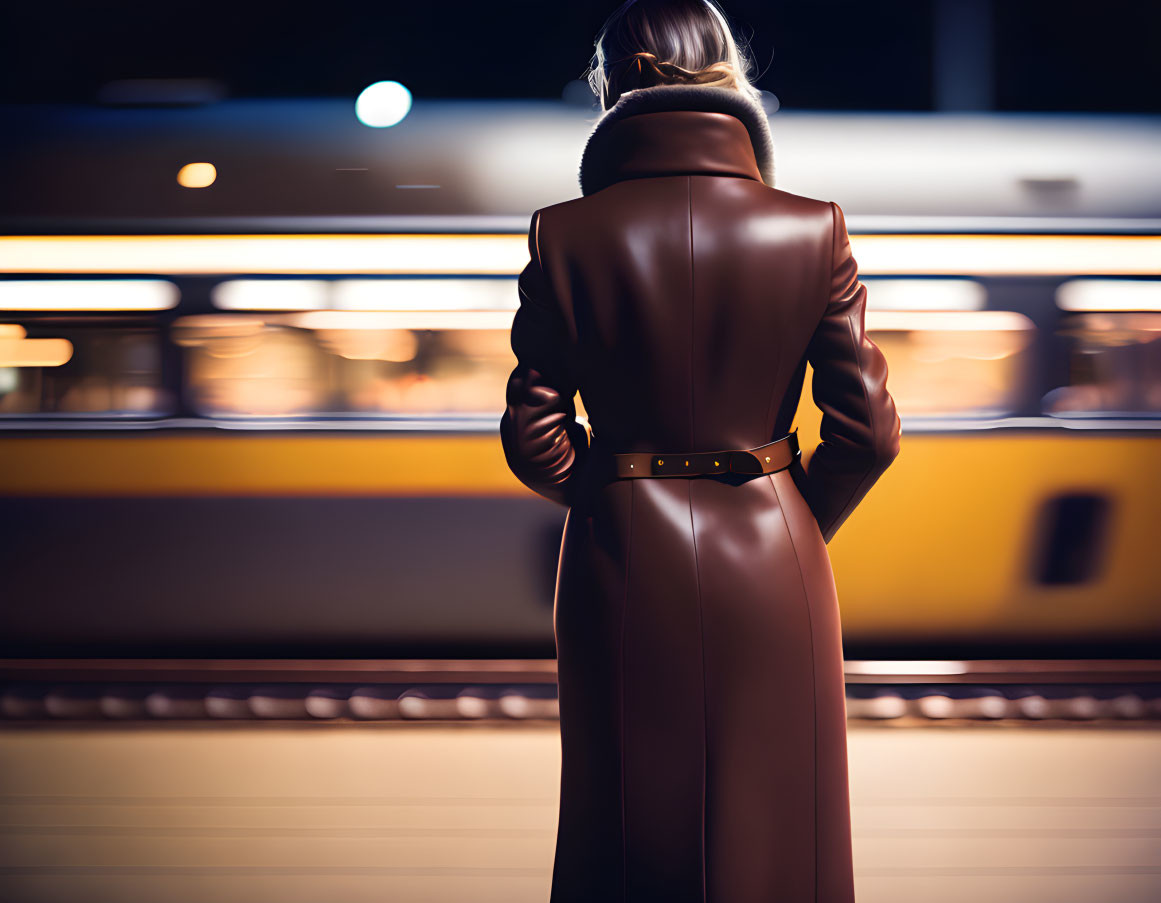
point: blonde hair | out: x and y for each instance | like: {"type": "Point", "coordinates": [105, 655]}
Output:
{"type": "Point", "coordinates": [668, 42]}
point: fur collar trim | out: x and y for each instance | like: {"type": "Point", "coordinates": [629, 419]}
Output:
{"type": "Point", "coordinates": [659, 98]}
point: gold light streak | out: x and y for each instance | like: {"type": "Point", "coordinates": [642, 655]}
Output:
{"type": "Point", "coordinates": [17, 351]}
{"type": "Point", "coordinates": [275, 254]}
{"type": "Point", "coordinates": [1007, 255]}
{"type": "Point", "coordinates": [508, 254]}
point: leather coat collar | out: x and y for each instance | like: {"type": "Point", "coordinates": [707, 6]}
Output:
{"type": "Point", "coordinates": [669, 129]}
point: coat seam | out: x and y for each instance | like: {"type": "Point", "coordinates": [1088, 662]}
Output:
{"type": "Point", "coordinates": [692, 305]}
{"type": "Point", "coordinates": [624, 619]}
{"type": "Point", "coordinates": [704, 702]}
{"type": "Point", "coordinates": [813, 673]}
{"type": "Point", "coordinates": [693, 531]}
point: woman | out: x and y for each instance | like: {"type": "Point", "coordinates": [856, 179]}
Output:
{"type": "Point", "coordinates": [702, 706]}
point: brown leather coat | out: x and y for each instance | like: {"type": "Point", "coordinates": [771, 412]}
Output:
{"type": "Point", "coordinates": [683, 295]}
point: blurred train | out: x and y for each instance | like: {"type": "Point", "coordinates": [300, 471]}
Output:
{"type": "Point", "coordinates": [259, 418]}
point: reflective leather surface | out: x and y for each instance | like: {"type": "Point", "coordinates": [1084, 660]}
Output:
{"type": "Point", "coordinates": [697, 623]}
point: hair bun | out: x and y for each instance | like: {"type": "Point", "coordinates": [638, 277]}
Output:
{"type": "Point", "coordinates": [643, 69]}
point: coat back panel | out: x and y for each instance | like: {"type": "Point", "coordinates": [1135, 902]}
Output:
{"type": "Point", "coordinates": [690, 300]}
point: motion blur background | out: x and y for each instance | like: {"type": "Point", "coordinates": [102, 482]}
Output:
{"type": "Point", "coordinates": [276, 620]}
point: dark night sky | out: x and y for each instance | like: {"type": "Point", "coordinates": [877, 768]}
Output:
{"type": "Point", "coordinates": [1061, 56]}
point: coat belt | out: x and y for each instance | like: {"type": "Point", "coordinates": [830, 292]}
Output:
{"type": "Point", "coordinates": [769, 458]}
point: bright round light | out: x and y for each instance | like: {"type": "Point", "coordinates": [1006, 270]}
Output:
{"type": "Point", "coordinates": [383, 104]}
{"type": "Point", "coordinates": [196, 175]}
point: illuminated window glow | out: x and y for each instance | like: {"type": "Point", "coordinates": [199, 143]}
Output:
{"type": "Point", "coordinates": [465, 293]}
{"type": "Point", "coordinates": [1109, 294]}
{"type": "Point", "coordinates": [88, 294]}
{"type": "Point", "coordinates": [925, 294]}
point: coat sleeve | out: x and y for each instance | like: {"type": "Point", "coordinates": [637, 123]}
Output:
{"type": "Point", "coordinates": [544, 444]}
{"type": "Point", "coordinates": [860, 426]}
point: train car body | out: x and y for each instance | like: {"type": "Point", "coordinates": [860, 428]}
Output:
{"type": "Point", "coordinates": [259, 418]}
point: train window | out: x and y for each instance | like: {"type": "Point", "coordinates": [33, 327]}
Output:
{"type": "Point", "coordinates": [1114, 365]}
{"type": "Point", "coordinates": [1113, 331]}
{"type": "Point", "coordinates": [394, 364]}
{"type": "Point", "coordinates": [106, 367]}
{"type": "Point", "coordinates": [954, 363]}
{"type": "Point", "coordinates": [1072, 538]}
{"type": "Point", "coordinates": [249, 365]}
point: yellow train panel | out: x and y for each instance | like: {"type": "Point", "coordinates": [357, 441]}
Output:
{"type": "Point", "coordinates": [944, 544]}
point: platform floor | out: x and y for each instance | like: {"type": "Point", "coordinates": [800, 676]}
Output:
{"type": "Point", "coordinates": [358, 812]}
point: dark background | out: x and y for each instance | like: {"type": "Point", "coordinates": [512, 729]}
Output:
{"type": "Point", "coordinates": [920, 55]}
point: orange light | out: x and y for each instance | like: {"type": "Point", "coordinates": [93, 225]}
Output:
{"type": "Point", "coordinates": [506, 254]}
{"type": "Point", "coordinates": [197, 175]}
{"type": "Point", "coordinates": [17, 352]}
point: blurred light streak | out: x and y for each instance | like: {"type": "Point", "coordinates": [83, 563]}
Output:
{"type": "Point", "coordinates": [401, 319]}
{"type": "Point", "coordinates": [425, 294]}
{"type": "Point", "coordinates": [1109, 294]}
{"type": "Point", "coordinates": [194, 254]}
{"type": "Point", "coordinates": [88, 294]}
{"type": "Point", "coordinates": [367, 294]}
{"type": "Point", "coordinates": [906, 667]}
{"type": "Point", "coordinates": [271, 294]}
{"type": "Point", "coordinates": [948, 321]}
{"type": "Point", "coordinates": [925, 294]}
{"type": "Point", "coordinates": [35, 352]}
{"type": "Point", "coordinates": [1016, 255]}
